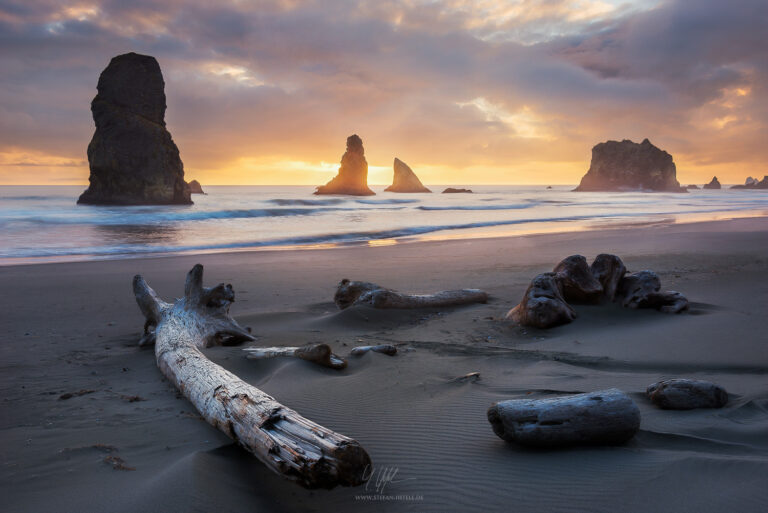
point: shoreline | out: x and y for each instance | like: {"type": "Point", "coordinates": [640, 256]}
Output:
{"type": "Point", "coordinates": [471, 233]}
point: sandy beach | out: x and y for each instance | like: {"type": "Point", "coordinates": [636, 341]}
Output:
{"type": "Point", "coordinates": [89, 424]}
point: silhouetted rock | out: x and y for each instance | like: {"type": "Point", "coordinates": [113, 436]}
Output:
{"type": "Point", "coordinates": [626, 166]}
{"type": "Point", "coordinates": [353, 172]}
{"type": "Point", "coordinates": [752, 183]}
{"type": "Point", "coordinates": [405, 180]}
{"type": "Point", "coordinates": [686, 394]}
{"type": "Point", "coordinates": [195, 187]}
{"type": "Point", "coordinates": [692, 186]}
{"type": "Point", "coordinates": [714, 184]}
{"type": "Point", "coordinates": [451, 190]}
{"type": "Point", "coordinates": [132, 156]}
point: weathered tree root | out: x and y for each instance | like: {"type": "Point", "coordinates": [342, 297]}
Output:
{"type": "Point", "coordinates": [320, 354]}
{"type": "Point", "coordinates": [605, 417]}
{"type": "Point", "coordinates": [545, 302]}
{"type": "Point", "coordinates": [289, 444]}
{"type": "Point", "coordinates": [350, 293]}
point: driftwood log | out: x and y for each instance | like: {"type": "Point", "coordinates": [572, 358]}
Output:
{"type": "Point", "coordinates": [387, 349]}
{"type": "Point", "coordinates": [605, 417]}
{"type": "Point", "coordinates": [543, 304]}
{"type": "Point", "coordinates": [349, 293]}
{"type": "Point", "coordinates": [320, 354]}
{"type": "Point", "coordinates": [686, 394]}
{"type": "Point", "coordinates": [289, 444]}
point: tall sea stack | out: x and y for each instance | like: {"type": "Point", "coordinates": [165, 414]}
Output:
{"type": "Point", "coordinates": [628, 166]}
{"type": "Point", "coordinates": [353, 172]}
{"type": "Point", "coordinates": [132, 156]}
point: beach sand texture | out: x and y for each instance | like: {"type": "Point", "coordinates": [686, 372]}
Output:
{"type": "Point", "coordinates": [88, 423]}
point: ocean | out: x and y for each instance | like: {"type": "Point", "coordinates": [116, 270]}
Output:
{"type": "Point", "coordinates": [43, 223]}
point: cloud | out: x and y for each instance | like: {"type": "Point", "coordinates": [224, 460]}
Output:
{"type": "Point", "coordinates": [452, 85]}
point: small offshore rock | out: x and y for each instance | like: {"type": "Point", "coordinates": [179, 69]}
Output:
{"type": "Point", "coordinates": [713, 184]}
{"type": "Point", "coordinates": [451, 190]}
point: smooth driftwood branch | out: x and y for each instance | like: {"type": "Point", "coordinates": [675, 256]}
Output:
{"type": "Point", "coordinates": [387, 349]}
{"type": "Point", "coordinates": [320, 354]}
{"type": "Point", "coordinates": [602, 417]}
{"type": "Point", "coordinates": [349, 293]}
{"type": "Point", "coordinates": [286, 442]}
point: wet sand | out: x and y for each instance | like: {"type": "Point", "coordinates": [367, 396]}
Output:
{"type": "Point", "coordinates": [88, 423]}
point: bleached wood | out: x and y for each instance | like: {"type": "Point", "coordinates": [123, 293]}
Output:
{"type": "Point", "coordinates": [387, 349]}
{"type": "Point", "coordinates": [320, 354]}
{"type": "Point", "coordinates": [289, 444]}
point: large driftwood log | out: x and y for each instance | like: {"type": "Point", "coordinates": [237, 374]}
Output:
{"type": "Point", "coordinates": [686, 394]}
{"type": "Point", "coordinates": [604, 417]}
{"type": "Point", "coordinates": [543, 304]}
{"type": "Point", "coordinates": [576, 280]}
{"type": "Point", "coordinates": [286, 442]}
{"type": "Point", "coordinates": [320, 354]}
{"type": "Point", "coordinates": [350, 293]}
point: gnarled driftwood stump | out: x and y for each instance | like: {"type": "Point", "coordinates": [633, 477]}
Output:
{"type": "Point", "coordinates": [286, 442]}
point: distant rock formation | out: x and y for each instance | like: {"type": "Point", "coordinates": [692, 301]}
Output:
{"type": "Point", "coordinates": [692, 186]}
{"type": "Point", "coordinates": [628, 166]}
{"type": "Point", "coordinates": [714, 184]}
{"type": "Point", "coordinates": [752, 183]}
{"type": "Point", "coordinates": [195, 187]}
{"type": "Point", "coordinates": [405, 180]}
{"type": "Point", "coordinates": [451, 190]}
{"type": "Point", "coordinates": [132, 156]}
{"type": "Point", "coordinates": [353, 172]}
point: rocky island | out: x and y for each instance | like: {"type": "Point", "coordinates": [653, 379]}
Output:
{"type": "Point", "coordinates": [713, 184]}
{"type": "Point", "coordinates": [132, 157]}
{"type": "Point", "coordinates": [353, 172]}
{"type": "Point", "coordinates": [404, 179]}
{"type": "Point", "coordinates": [753, 183]}
{"type": "Point", "coordinates": [628, 166]}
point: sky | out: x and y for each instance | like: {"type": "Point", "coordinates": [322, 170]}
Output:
{"type": "Point", "coordinates": [465, 92]}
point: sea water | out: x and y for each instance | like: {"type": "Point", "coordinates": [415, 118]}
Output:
{"type": "Point", "coordinates": [44, 223]}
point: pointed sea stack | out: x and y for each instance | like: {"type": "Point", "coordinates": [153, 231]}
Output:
{"type": "Point", "coordinates": [353, 172]}
{"type": "Point", "coordinates": [405, 180]}
{"type": "Point", "coordinates": [132, 156]}
{"type": "Point", "coordinates": [628, 166]}
{"type": "Point", "coordinates": [714, 184]}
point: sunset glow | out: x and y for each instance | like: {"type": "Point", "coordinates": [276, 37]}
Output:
{"type": "Point", "coordinates": [464, 92]}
